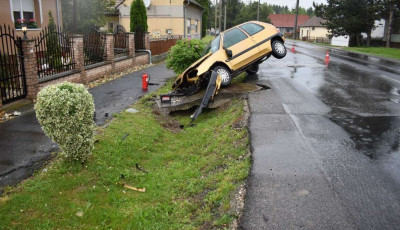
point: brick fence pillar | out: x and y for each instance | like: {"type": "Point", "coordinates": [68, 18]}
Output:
{"type": "Point", "coordinates": [131, 44]}
{"type": "Point", "coordinates": [30, 65]}
{"type": "Point", "coordinates": [79, 56]}
{"type": "Point", "coordinates": [109, 49]}
{"type": "Point", "coordinates": [147, 41]}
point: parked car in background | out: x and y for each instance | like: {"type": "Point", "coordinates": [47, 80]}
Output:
{"type": "Point", "coordinates": [238, 49]}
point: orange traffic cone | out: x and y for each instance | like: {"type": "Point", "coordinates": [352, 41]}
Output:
{"type": "Point", "coordinates": [327, 58]}
{"type": "Point", "coordinates": [293, 50]}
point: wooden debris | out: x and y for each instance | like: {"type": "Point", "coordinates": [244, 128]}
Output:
{"type": "Point", "coordinates": [134, 188]}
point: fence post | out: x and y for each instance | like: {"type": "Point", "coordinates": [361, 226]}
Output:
{"type": "Point", "coordinates": [30, 64]}
{"type": "Point", "coordinates": [131, 44]}
{"type": "Point", "coordinates": [147, 41]}
{"type": "Point", "coordinates": [109, 48]}
{"type": "Point", "coordinates": [78, 57]}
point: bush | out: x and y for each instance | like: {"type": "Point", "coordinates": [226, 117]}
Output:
{"type": "Point", "coordinates": [65, 112]}
{"type": "Point", "coordinates": [184, 53]}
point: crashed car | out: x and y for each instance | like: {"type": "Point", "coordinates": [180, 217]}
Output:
{"type": "Point", "coordinates": [238, 49]}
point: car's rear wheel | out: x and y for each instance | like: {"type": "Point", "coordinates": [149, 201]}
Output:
{"type": "Point", "coordinates": [278, 49]}
{"type": "Point", "coordinates": [225, 75]}
{"type": "Point", "coordinates": [252, 70]}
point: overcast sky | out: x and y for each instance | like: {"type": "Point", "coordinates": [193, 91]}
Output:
{"type": "Point", "coordinates": [290, 3]}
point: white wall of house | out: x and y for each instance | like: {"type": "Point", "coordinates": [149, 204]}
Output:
{"type": "Point", "coordinates": [340, 41]}
{"type": "Point", "coordinates": [379, 30]}
{"type": "Point", "coordinates": [313, 32]}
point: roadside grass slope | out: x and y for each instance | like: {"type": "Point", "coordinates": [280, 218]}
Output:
{"type": "Point", "coordinates": [191, 181]}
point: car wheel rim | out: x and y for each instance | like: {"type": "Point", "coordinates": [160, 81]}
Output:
{"type": "Point", "coordinates": [224, 75]}
{"type": "Point", "coordinates": [280, 48]}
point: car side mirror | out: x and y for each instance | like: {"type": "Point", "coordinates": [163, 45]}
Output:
{"type": "Point", "coordinates": [228, 52]}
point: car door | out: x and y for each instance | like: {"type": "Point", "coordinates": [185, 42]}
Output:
{"type": "Point", "coordinates": [242, 46]}
{"type": "Point", "coordinates": [259, 36]}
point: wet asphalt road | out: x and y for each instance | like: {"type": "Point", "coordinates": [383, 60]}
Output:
{"type": "Point", "coordinates": [325, 143]}
{"type": "Point", "coordinates": [23, 145]}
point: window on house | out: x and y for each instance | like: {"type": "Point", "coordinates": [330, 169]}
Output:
{"type": "Point", "coordinates": [196, 23]}
{"type": "Point", "coordinates": [188, 26]}
{"type": "Point", "coordinates": [313, 28]}
{"type": "Point", "coordinates": [24, 12]}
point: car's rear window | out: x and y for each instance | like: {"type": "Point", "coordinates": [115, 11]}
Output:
{"type": "Point", "coordinates": [233, 36]}
{"type": "Point", "coordinates": [251, 28]}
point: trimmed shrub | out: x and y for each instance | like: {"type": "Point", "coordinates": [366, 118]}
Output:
{"type": "Point", "coordinates": [184, 53]}
{"type": "Point", "coordinates": [65, 112]}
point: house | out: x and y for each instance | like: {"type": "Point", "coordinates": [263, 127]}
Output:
{"type": "Point", "coordinates": [34, 13]}
{"type": "Point", "coordinates": [314, 30]}
{"type": "Point", "coordinates": [165, 18]}
{"type": "Point", "coordinates": [285, 22]}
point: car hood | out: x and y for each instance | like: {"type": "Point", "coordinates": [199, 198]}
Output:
{"type": "Point", "coordinates": [198, 62]}
{"type": "Point", "coordinates": [179, 79]}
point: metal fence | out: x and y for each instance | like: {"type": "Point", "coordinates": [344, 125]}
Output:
{"type": "Point", "coordinates": [54, 52]}
{"type": "Point", "coordinates": [121, 42]}
{"type": "Point", "coordinates": [12, 75]}
{"type": "Point", "coordinates": [140, 39]}
{"type": "Point", "coordinates": [316, 39]}
{"type": "Point", "coordinates": [159, 46]}
{"type": "Point", "coordinates": [94, 44]}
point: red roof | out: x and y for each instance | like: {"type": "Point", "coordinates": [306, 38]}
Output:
{"type": "Point", "coordinates": [287, 20]}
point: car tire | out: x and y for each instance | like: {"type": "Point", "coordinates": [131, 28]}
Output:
{"type": "Point", "coordinates": [252, 70]}
{"type": "Point", "coordinates": [278, 49]}
{"type": "Point", "coordinates": [225, 75]}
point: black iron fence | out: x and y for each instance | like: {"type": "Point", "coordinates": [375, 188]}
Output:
{"type": "Point", "coordinates": [94, 44]}
{"type": "Point", "coordinates": [140, 40]}
{"type": "Point", "coordinates": [12, 75]}
{"type": "Point", "coordinates": [121, 42]}
{"type": "Point", "coordinates": [54, 52]}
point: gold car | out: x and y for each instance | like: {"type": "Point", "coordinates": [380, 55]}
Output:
{"type": "Point", "coordinates": [240, 48]}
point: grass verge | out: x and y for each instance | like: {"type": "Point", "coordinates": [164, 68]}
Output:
{"type": "Point", "coordinates": [377, 51]}
{"type": "Point", "coordinates": [191, 181]}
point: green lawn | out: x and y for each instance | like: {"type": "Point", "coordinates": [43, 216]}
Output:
{"type": "Point", "coordinates": [191, 181]}
{"type": "Point", "coordinates": [378, 51]}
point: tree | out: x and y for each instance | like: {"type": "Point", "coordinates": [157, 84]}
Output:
{"type": "Point", "coordinates": [204, 21]}
{"type": "Point", "coordinates": [52, 45]}
{"type": "Point", "coordinates": [138, 16]}
{"type": "Point", "coordinates": [388, 9]}
{"type": "Point", "coordinates": [232, 11]}
{"type": "Point", "coordinates": [310, 12]}
{"type": "Point", "coordinates": [348, 17]}
{"type": "Point", "coordinates": [89, 14]}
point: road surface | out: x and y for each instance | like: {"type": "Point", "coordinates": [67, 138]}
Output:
{"type": "Point", "coordinates": [325, 143]}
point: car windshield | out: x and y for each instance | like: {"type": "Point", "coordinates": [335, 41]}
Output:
{"type": "Point", "coordinates": [213, 46]}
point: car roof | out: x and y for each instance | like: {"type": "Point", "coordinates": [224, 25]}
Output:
{"type": "Point", "coordinates": [255, 22]}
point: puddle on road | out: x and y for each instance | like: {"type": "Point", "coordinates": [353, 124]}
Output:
{"type": "Point", "coordinates": [373, 136]}
{"type": "Point", "coordinates": [363, 105]}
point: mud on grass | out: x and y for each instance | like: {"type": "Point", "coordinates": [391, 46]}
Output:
{"type": "Point", "coordinates": [192, 176]}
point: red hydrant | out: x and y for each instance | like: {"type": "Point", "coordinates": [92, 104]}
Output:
{"type": "Point", "coordinates": [145, 81]}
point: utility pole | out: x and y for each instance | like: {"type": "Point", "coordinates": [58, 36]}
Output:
{"type": "Point", "coordinates": [225, 19]}
{"type": "Point", "coordinates": [215, 18]}
{"type": "Point", "coordinates": [258, 11]}
{"type": "Point", "coordinates": [295, 20]}
{"type": "Point", "coordinates": [220, 15]}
